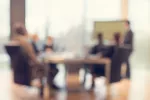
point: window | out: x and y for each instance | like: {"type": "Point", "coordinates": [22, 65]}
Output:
{"type": "Point", "coordinates": [58, 15]}
{"type": "Point", "coordinates": [4, 19]}
{"type": "Point", "coordinates": [62, 15]}
{"type": "Point", "coordinates": [4, 23]}
{"type": "Point", "coordinates": [101, 10]}
{"type": "Point", "coordinates": [36, 16]}
{"type": "Point", "coordinates": [69, 19]}
{"type": "Point", "coordinates": [139, 14]}
{"type": "Point", "coordinates": [4, 31]}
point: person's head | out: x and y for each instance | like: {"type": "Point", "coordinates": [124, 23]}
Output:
{"type": "Point", "coordinates": [100, 38]}
{"type": "Point", "coordinates": [19, 29]}
{"type": "Point", "coordinates": [35, 37]}
{"type": "Point", "coordinates": [49, 40]}
{"type": "Point", "coordinates": [127, 24]}
{"type": "Point", "coordinates": [117, 37]}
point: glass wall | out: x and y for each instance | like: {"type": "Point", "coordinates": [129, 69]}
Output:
{"type": "Point", "coordinates": [36, 16]}
{"type": "Point", "coordinates": [139, 14]}
{"type": "Point", "coordinates": [69, 19]}
{"type": "Point", "coordinates": [101, 10]}
{"type": "Point", "coordinates": [60, 16]}
{"type": "Point", "coordinates": [4, 23]}
{"type": "Point", "coordinates": [4, 30]}
{"type": "Point", "coordinates": [139, 17]}
{"type": "Point", "coordinates": [57, 16]}
{"type": "Point", "coordinates": [4, 18]}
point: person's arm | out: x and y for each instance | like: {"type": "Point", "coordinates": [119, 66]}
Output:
{"type": "Point", "coordinates": [28, 49]}
{"type": "Point", "coordinates": [93, 50]}
{"type": "Point", "coordinates": [109, 51]}
{"type": "Point", "coordinates": [35, 48]}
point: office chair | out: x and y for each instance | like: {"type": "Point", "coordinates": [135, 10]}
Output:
{"type": "Point", "coordinates": [120, 56]}
{"type": "Point", "coordinates": [19, 65]}
{"type": "Point", "coordinates": [22, 71]}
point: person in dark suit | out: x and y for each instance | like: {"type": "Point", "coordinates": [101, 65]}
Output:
{"type": "Point", "coordinates": [99, 49]}
{"type": "Point", "coordinates": [117, 38]}
{"type": "Point", "coordinates": [128, 40]}
{"type": "Point", "coordinates": [53, 71]}
{"type": "Point", "coordinates": [112, 48]}
{"type": "Point", "coordinates": [104, 51]}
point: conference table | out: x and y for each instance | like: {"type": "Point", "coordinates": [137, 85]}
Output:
{"type": "Point", "coordinates": [91, 59]}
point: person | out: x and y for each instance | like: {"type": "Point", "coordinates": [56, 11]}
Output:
{"type": "Point", "coordinates": [105, 51]}
{"type": "Point", "coordinates": [53, 71]}
{"type": "Point", "coordinates": [35, 39]}
{"type": "Point", "coordinates": [21, 36]}
{"type": "Point", "coordinates": [128, 40]}
{"type": "Point", "coordinates": [116, 43]}
{"type": "Point", "coordinates": [48, 47]}
{"type": "Point", "coordinates": [99, 49]}
{"type": "Point", "coordinates": [117, 38]}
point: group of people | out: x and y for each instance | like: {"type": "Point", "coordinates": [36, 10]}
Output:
{"type": "Point", "coordinates": [31, 50]}
{"type": "Point", "coordinates": [29, 47]}
{"type": "Point", "coordinates": [108, 51]}
{"type": "Point", "coordinates": [47, 47]}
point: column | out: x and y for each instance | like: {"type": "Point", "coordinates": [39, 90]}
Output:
{"type": "Point", "coordinates": [124, 9]}
{"type": "Point", "coordinates": [17, 13]}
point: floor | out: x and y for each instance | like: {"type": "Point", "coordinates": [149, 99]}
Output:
{"type": "Point", "coordinates": [137, 89]}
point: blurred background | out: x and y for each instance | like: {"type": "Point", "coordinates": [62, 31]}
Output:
{"type": "Point", "coordinates": [71, 24]}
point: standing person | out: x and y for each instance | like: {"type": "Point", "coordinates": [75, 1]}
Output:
{"type": "Point", "coordinates": [128, 40]}
{"type": "Point", "coordinates": [53, 71]}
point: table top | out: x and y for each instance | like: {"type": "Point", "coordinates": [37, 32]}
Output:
{"type": "Point", "coordinates": [92, 59]}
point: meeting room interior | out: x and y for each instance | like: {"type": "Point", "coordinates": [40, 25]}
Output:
{"type": "Point", "coordinates": [75, 50]}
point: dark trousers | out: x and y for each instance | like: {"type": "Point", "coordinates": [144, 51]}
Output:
{"type": "Point", "coordinates": [128, 70]}
{"type": "Point", "coordinates": [94, 69]}
{"type": "Point", "coordinates": [52, 72]}
{"type": "Point", "coordinates": [86, 69]}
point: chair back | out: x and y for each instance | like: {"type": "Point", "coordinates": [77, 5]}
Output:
{"type": "Point", "coordinates": [19, 64]}
{"type": "Point", "coordinates": [120, 56]}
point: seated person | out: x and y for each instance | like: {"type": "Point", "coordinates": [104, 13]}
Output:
{"type": "Point", "coordinates": [98, 69]}
{"type": "Point", "coordinates": [117, 38]}
{"type": "Point", "coordinates": [35, 39]}
{"type": "Point", "coordinates": [21, 36]}
{"type": "Point", "coordinates": [48, 47]}
{"type": "Point", "coordinates": [105, 51]}
{"type": "Point", "coordinates": [116, 43]}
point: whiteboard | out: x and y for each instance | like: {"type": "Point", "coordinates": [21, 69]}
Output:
{"type": "Point", "coordinates": [108, 28]}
